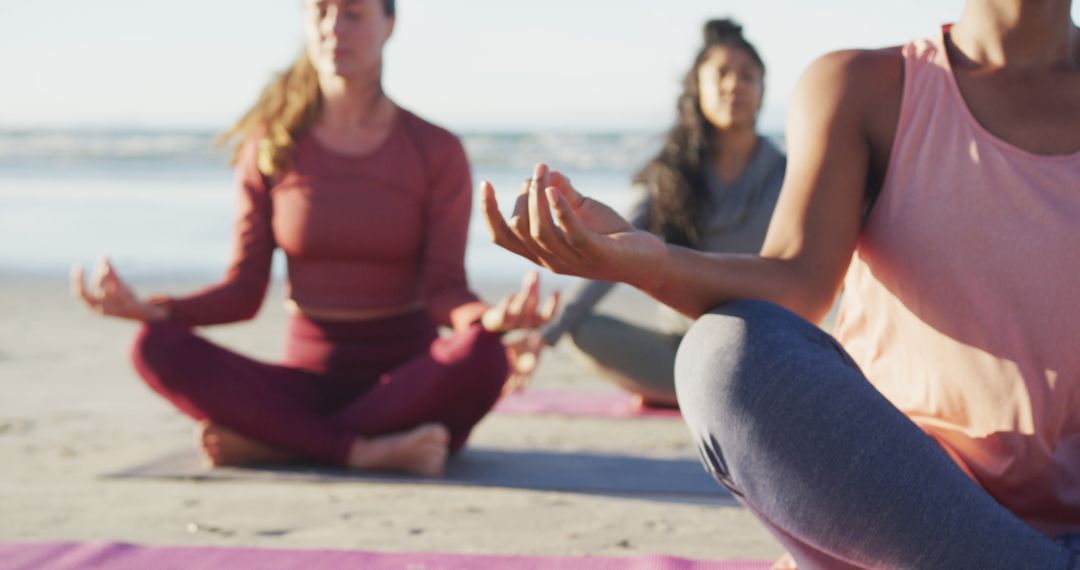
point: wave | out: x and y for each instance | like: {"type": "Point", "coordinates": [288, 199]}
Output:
{"type": "Point", "coordinates": [28, 145]}
{"type": "Point", "coordinates": [613, 151]}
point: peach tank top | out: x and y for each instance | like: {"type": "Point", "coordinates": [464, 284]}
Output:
{"type": "Point", "coordinates": [962, 303]}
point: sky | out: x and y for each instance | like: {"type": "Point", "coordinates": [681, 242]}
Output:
{"type": "Point", "coordinates": [504, 65]}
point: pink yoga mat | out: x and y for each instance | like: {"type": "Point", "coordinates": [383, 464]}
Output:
{"type": "Point", "coordinates": [581, 403]}
{"type": "Point", "coordinates": [117, 556]}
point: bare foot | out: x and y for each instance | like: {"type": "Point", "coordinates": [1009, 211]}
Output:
{"type": "Point", "coordinates": [221, 447]}
{"type": "Point", "coordinates": [786, 562]}
{"type": "Point", "coordinates": [422, 450]}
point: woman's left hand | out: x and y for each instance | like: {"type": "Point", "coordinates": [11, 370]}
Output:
{"type": "Point", "coordinates": [524, 356]}
{"type": "Point", "coordinates": [519, 311]}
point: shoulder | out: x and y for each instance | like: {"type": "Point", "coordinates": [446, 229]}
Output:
{"type": "Point", "coordinates": [246, 160]}
{"type": "Point", "coordinates": [852, 93]}
{"type": "Point", "coordinates": [855, 81]}
{"type": "Point", "coordinates": [435, 140]}
{"type": "Point", "coordinates": [855, 64]}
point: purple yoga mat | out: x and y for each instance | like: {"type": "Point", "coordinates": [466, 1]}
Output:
{"type": "Point", "coordinates": [118, 556]}
{"type": "Point", "coordinates": [582, 403]}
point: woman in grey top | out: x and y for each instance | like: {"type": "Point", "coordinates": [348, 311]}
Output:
{"type": "Point", "coordinates": [713, 187]}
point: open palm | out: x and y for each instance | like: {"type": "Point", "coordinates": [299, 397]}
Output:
{"type": "Point", "coordinates": [555, 226]}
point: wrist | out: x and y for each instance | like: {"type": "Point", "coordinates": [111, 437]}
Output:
{"type": "Point", "coordinates": [653, 267]}
{"type": "Point", "coordinates": [156, 310]}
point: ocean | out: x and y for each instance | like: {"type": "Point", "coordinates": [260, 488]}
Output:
{"type": "Point", "coordinates": [160, 203]}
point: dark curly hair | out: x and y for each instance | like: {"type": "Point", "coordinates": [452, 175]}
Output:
{"type": "Point", "coordinates": [676, 177]}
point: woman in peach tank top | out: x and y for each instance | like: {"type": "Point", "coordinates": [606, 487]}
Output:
{"type": "Point", "coordinates": [938, 183]}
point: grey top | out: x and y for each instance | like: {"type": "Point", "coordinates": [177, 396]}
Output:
{"type": "Point", "coordinates": [736, 221]}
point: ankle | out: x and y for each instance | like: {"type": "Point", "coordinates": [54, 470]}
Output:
{"type": "Point", "coordinates": [362, 452]}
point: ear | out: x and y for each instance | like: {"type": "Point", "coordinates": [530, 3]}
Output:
{"type": "Point", "coordinates": [389, 28]}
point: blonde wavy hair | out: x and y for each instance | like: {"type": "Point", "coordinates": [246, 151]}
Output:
{"type": "Point", "coordinates": [288, 106]}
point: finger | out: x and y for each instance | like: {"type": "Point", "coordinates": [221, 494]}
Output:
{"type": "Point", "coordinates": [519, 214]}
{"type": "Point", "coordinates": [519, 222]}
{"type": "Point", "coordinates": [540, 174]}
{"type": "Point", "coordinates": [501, 233]}
{"type": "Point", "coordinates": [78, 287]}
{"type": "Point", "coordinates": [494, 319]}
{"type": "Point", "coordinates": [112, 275]}
{"type": "Point", "coordinates": [530, 290]}
{"type": "Point", "coordinates": [578, 237]}
{"type": "Point", "coordinates": [76, 280]}
{"type": "Point", "coordinates": [551, 306]}
{"type": "Point", "coordinates": [109, 279]}
{"type": "Point", "coordinates": [516, 311]}
{"type": "Point", "coordinates": [521, 380]}
{"type": "Point", "coordinates": [516, 381]}
{"type": "Point", "coordinates": [527, 363]}
{"type": "Point", "coordinates": [97, 280]}
{"type": "Point", "coordinates": [542, 228]}
{"type": "Point", "coordinates": [560, 181]}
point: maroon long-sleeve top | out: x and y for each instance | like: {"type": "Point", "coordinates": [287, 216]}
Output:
{"type": "Point", "coordinates": [385, 229]}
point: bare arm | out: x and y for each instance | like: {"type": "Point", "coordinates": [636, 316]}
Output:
{"type": "Point", "coordinates": [814, 229]}
{"type": "Point", "coordinates": [816, 222]}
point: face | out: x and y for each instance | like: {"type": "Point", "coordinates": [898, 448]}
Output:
{"type": "Point", "coordinates": [731, 87]}
{"type": "Point", "coordinates": [345, 37]}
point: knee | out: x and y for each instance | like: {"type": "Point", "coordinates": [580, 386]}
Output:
{"type": "Point", "coordinates": [588, 331]}
{"type": "Point", "coordinates": [734, 360]}
{"type": "Point", "coordinates": [598, 335]}
{"type": "Point", "coordinates": [475, 351]}
{"type": "Point", "coordinates": [156, 348]}
{"type": "Point", "coordinates": [591, 335]}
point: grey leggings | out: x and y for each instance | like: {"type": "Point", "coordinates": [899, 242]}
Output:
{"type": "Point", "coordinates": [640, 360]}
{"type": "Point", "coordinates": [786, 421]}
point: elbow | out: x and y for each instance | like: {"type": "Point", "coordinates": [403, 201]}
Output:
{"type": "Point", "coordinates": [813, 308]}
{"type": "Point", "coordinates": [807, 292]}
{"type": "Point", "coordinates": [811, 300]}
{"type": "Point", "coordinates": [247, 313]}
{"type": "Point", "coordinates": [247, 304]}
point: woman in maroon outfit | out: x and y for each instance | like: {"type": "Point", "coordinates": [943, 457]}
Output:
{"type": "Point", "coordinates": [371, 205]}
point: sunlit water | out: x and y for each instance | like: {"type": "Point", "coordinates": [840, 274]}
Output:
{"type": "Point", "coordinates": [161, 204]}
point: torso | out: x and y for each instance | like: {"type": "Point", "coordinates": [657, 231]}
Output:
{"type": "Point", "coordinates": [958, 304]}
{"type": "Point", "coordinates": [881, 81]}
{"type": "Point", "coordinates": [361, 141]}
{"type": "Point", "coordinates": [1037, 111]}
{"type": "Point", "coordinates": [354, 225]}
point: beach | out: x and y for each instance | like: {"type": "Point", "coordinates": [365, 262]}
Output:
{"type": "Point", "coordinates": [74, 411]}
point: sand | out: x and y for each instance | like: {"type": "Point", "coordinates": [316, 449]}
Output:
{"type": "Point", "coordinates": [72, 410]}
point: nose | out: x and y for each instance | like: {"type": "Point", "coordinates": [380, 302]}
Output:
{"type": "Point", "coordinates": [737, 83]}
{"type": "Point", "coordinates": [332, 20]}
{"type": "Point", "coordinates": [729, 82]}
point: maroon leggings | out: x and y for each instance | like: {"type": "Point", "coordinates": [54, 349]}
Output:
{"type": "Point", "coordinates": [339, 380]}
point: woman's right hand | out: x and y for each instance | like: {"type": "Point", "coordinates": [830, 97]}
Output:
{"type": "Point", "coordinates": [110, 296]}
{"type": "Point", "coordinates": [584, 237]}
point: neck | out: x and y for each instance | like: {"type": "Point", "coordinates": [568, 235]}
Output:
{"type": "Point", "coordinates": [350, 104]}
{"type": "Point", "coordinates": [1018, 33]}
{"type": "Point", "coordinates": [733, 148]}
